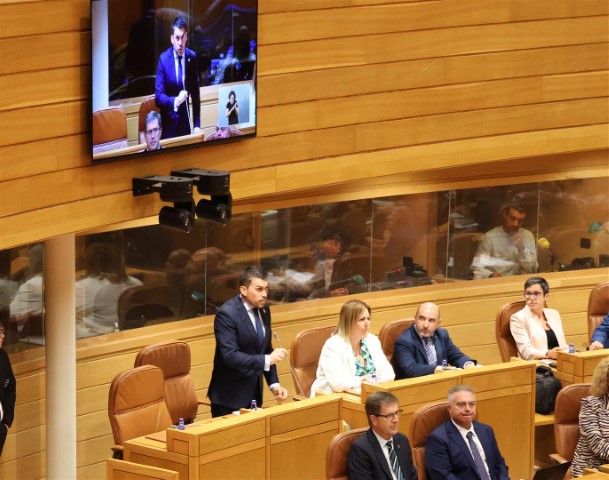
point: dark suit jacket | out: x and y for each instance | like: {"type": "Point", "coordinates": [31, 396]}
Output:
{"type": "Point", "coordinates": [239, 360]}
{"type": "Point", "coordinates": [175, 124]}
{"type": "Point", "coordinates": [8, 394]}
{"type": "Point", "coordinates": [601, 333]}
{"type": "Point", "coordinates": [410, 358]}
{"type": "Point", "coordinates": [447, 456]}
{"type": "Point", "coordinates": [367, 462]}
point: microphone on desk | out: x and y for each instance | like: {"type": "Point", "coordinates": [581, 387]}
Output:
{"type": "Point", "coordinates": [545, 244]}
{"type": "Point", "coordinates": [357, 279]}
{"type": "Point", "coordinates": [276, 337]}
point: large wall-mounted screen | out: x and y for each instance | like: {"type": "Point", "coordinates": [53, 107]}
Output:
{"type": "Point", "coordinates": [171, 73]}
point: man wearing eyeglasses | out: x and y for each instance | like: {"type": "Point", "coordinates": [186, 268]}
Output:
{"type": "Point", "coordinates": [382, 453]}
{"type": "Point", "coordinates": [8, 389]}
{"type": "Point", "coordinates": [152, 131]}
{"type": "Point", "coordinates": [461, 447]}
{"type": "Point", "coordinates": [424, 347]}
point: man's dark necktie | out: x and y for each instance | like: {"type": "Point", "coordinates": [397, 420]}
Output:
{"type": "Point", "coordinates": [431, 354]}
{"type": "Point", "coordinates": [393, 459]}
{"type": "Point", "coordinates": [477, 457]}
{"type": "Point", "coordinates": [259, 330]}
{"type": "Point", "coordinates": [180, 82]}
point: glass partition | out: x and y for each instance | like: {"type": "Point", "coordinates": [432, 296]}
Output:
{"type": "Point", "coordinates": [131, 278]}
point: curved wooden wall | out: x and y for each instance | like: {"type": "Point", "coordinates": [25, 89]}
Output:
{"type": "Point", "coordinates": [357, 98]}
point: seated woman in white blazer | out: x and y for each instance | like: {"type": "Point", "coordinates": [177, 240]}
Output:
{"type": "Point", "coordinates": [537, 330]}
{"type": "Point", "coordinates": [352, 354]}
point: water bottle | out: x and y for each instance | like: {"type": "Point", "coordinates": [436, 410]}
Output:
{"type": "Point", "coordinates": [253, 406]}
{"type": "Point", "coordinates": [374, 380]}
{"type": "Point", "coordinates": [444, 365]}
{"type": "Point", "coordinates": [116, 329]}
{"type": "Point", "coordinates": [571, 348]}
{"type": "Point", "coordinates": [181, 424]}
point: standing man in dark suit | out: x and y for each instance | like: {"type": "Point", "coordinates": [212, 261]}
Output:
{"type": "Point", "coordinates": [382, 453]}
{"type": "Point", "coordinates": [8, 392]}
{"type": "Point", "coordinates": [177, 79]}
{"type": "Point", "coordinates": [421, 349]}
{"type": "Point", "coordinates": [244, 352]}
{"type": "Point", "coordinates": [461, 448]}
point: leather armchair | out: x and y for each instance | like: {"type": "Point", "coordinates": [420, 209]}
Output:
{"type": "Point", "coordinates": [146, 107]}
{"type": "Point", "coordinates": [136, 405]}
{"type": "Point", "coordinates": [566, 420]}
{"type": "Point", "coordinates": [390, 332]}
{"type": "Point", "coordinates": [304, 357]}
{"type": "Point", "coordinates": [337, 455]}
{"type": "Point", "coordinates": [424, 421]}
{"type": "Point", "coordinates": [173, 358]}
{"type": "Point", "coordinates": [505, 341]}
{"type": "Point", "coordinates": [109, 129]}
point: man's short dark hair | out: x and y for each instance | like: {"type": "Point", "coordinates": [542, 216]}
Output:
{"type": "Point", "coordinates": [250, 273]}
{"type": "Point", "coordinates": [178, 23]}
{"type": "Point", "coordinates": [152, 115]}
{"type": "Point", "coordinates": [519, 207]}
{"type": "Point", "coordinates": [375, 402]}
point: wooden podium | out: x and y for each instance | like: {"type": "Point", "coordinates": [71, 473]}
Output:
{"type": "Point", "coordinates": [287, 441]}
{"type": "Point", "coordinates": [578, 367]}
{"type": "Point", "coordinates": [505, 396]}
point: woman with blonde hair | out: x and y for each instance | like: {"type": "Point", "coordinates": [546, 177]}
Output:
{"type": "Point", "coordinates": [593, 444]}
{"type": "Point", "coordinates": [352, 354]}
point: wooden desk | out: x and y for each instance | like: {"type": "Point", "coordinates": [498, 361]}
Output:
{"type": "Point", "coordinates": [505, 396]}
{"type": "Point", "coordinates": [287, 441]}
{"type": "Point", "coordinates": [578, 367]}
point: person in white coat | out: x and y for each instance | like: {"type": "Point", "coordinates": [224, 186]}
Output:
{"type": "Point", "coordinates": [352, 355]}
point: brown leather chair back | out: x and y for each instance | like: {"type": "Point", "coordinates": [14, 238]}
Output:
{"type": "Point", "coordinates": [390, 332]}
{"type": "Point", "coordinates": [136, 404]}
{"type": "Point", "coordinates": [566, 418]}
{"type": "Point", "coordinates": [304, 356]}
{"type": "Point", "coordinates": [337, 454]}
{"type": "Point", "coordinates": [173, 358]}
{"type": "Point", "coordinates": [424, 421]}
{"type": "Point", "coordinates": [505, 341]}
{"type": "Point", "coordinates": [598, 306]}
{"type": "Point", "coordinates": [138, 305]}
{"type": "Point", "coordinates": [146, 107]}
{"type": "Point", "coordinates": [109, 129]}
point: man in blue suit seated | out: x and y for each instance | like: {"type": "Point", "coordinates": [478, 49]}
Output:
{"type": "Point", "coordinates": [600, 337]}
{"type": "Point", "coordinates": [462, 448]}
{"type": "Point", "coordinates": [382, 453]}
{"type": "Point", "coordinates": [177, 80]}
{"type": "Point", "coordinates": [244, 352]}
{"type": "Point", "coordinates": [422, 348]}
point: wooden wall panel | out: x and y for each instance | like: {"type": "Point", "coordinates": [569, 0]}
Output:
{"type": "Point", "coordinates": [435, 94]}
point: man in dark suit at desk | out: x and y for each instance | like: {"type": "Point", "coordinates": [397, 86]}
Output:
{"type": "Point", "coordinates": [177, 79]}
{"type": "Point", "coordinates": [461, 448]}
{"type": "Point", "coordinates": [8, 392]}
{"type": "Point", "coordinates": [421, 349]}
{"type": "Point", "coordinates": [600, 337]}
{"type": "Point", "coordinates": [244, 351]}
{"type": "Point", "coordinates": [382, 453]}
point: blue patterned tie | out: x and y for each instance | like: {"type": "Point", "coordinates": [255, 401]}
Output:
{"type": "Point", "coordinates": [431, 353]}
{"type": "Point", "coordinates": [393, 458]}
{"type": "Point", "coordinates": [180, 82]}
{"type": "Point", "coordinates": [259, 329]}
{"type": "Point", "coordinates": [477, 457]}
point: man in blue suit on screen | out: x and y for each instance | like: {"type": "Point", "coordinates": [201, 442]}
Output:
{"type": "Point", "coordinates": [422, 348]}
{"type": "Point", "coordinates": [177, 80]}
{"type": "Point", "coordinates": [461, 448]}
{"type": "Point", "coordinates": [244, 352]}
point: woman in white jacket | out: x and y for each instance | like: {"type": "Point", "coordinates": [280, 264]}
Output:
{"type": "Point", "coordinates": [352, 354]}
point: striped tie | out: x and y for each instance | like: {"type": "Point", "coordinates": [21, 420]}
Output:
{"type": "Point", "coordinates": [431, 353]}
{"type": "Point", "coordinates": [393, 459]}
{"type": "Point", "coordinates": [477, 457]}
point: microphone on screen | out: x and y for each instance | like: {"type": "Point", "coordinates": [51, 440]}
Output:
{"type": "Point", "coordinates": [276, 337]}
{"type": "Point", "coordinates": [545, 244]}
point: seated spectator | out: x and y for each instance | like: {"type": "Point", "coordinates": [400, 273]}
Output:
{"type": "Point", "coordinates": [593, 444]}
{"type": "Point", "coordinates": [423, 348]}
{"type": "Point", "coordinates": [98, 292]}
{"type": "Point", "coordinates": [461, 447]}
{"type": "Point", "coordinates": [382, 449]}
{"type": "Point", "coordinates": [600, 337]}
{"type": "Point", "coordinates": [28, 299]}
{"type": "Point", "coordinates": [352, 355]}
{"type": "Point", "coordinates": [537, 330]}
{"type": "Point", "coordinates": [507, 249]}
